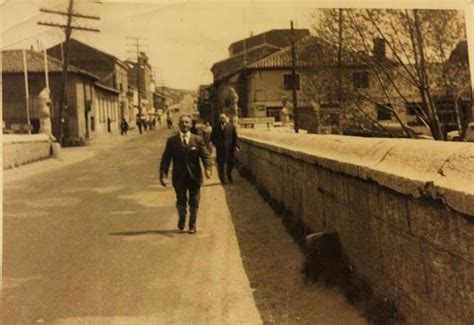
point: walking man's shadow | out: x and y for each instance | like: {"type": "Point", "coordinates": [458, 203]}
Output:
{"type": "Point", "coordinates": [167, 233]}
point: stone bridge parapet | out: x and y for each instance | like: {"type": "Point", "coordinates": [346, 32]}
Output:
{"type": "Point", "coordinates": [19, 149]}
{"type": "Point", "coordinates": [403, 209]}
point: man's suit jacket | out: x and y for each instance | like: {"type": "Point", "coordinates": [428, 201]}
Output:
{"type": "Point", "coordinates": [225, 140]}
{"type": "Point", "coordinates": [185, 160]}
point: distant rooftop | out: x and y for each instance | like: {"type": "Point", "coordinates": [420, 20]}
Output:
{"type": "Point", "coordinates": [76, 44]}
{"type": "Point", "coordinates": [277, 37]}
{"type": "Point", "coordinates": [311, 51]}
{"type": "Point", "coordinates": [234, 64]}
{"type": "Point", "coordinates": [12, 62]}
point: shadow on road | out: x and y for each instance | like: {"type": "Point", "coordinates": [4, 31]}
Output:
{"type": "Point", "coordinates": [168, 233]}
{"type": "Point", "coordinates": [211, 184]}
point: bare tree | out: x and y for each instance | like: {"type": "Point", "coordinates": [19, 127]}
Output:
{"type": "Point", "coordinates": [410, 64]}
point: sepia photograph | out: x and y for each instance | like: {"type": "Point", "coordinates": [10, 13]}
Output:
{"type": "Point", "coordinates": [237, 162]}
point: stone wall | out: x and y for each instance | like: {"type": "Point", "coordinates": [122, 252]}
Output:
{"type": "Point", "coordinates": [22, 149]}
{"type": "Point", "coordinates": [403, 209]}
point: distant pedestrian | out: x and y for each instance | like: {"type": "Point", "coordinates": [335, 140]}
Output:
{"type": "Point", "coordinates": [206, 136]}
{"type": "Point", "coordinates": [109, 122]}
{"type": "Point", "coordinates": [169, 120]}
{"type": "Point", "coordinates": [159, 119]}
{"type": "Point", "coordinates": [224, 138]}
{"type": "Point", "coordinates": [185, 151]}
{"type": "Point", "coordinates": [194, 129]}
{"type": "Point", "coordinates": [123, 127]}
{"type": "Point", "coordinates": [150, 123]}
{"type": "Point", "coordinates": [145, 124]}
{"type": "Point", "coordinates": [138, 121]}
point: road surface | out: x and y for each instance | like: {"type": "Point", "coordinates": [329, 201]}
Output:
{"type": "Point", "coordinates": [96, 242]}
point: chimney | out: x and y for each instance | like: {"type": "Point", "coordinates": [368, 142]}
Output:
{"type": "Point", "coordinates": [379, 48]}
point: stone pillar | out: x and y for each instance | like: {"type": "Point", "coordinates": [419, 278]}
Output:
{"type": "Point", "coordinates": [44, 103]}
{"type": "Point", "coordinates": [232, 109]}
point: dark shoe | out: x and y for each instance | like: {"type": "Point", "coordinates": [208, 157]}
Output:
{"type": "Point", "coordinates": [229, 177]}
{"type": "Point", "coordinates": [192, 231]}
{"type": "Point", "coordinates": [182, 217]}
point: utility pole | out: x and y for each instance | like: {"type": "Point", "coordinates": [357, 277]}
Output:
{"type": "Point", "coordinates": [68, 28]}
{"type": "Point", "coordinates": [293, 77]}
{"type": "Point", "coordinates": [137, 46]}
{"type": "Point", "coordinates": [27, 91]}
{"type": "Point", "coordinates": [339, 61]}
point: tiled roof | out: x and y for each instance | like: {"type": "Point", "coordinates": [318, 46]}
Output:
{"type": "Point", "coordinates": [12, 62]}
{"type": "Point", "coordinates": [310, 52]}
{"type": "Point", "coordinates": [232, 65]}
{"type": "Point", "coordinates": [76, 45]}
{"type": "Point", "coordinates": [280, 59]}
{"type": "Point", "coordinates": [104, 87]}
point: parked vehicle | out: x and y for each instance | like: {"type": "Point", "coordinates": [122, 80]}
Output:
{"type": "Point", "coordinates": [456, 136]}
{"type": "Point", "coordinates": [389, 130]}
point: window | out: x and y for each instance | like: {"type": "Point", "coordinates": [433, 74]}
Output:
{"type": "Point", "coordinates": [288, 82]}
{"type": "Point", "coordinates": [384, 113]}
{"type": "Point", "coordinates": [412, 111]}
{"type": "Point", "coordinates": [330, 119]}
{"type": "Point", "coordinates": [100, 110]}
{"type": "Point", "coordinates": [360, 79]}
{"type": "Point", "coordinates": [274, 112]}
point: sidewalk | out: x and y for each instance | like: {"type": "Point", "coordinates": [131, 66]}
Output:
{"type": "Point", "coordinates": [68, 156]}
{"type": "Point", "coordinates": [273, 263]}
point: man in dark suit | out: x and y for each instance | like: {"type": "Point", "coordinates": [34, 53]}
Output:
{"type": "Point", "coordinates": [224, 138]}
{"type": "Point", "coordinates": [185, 150]}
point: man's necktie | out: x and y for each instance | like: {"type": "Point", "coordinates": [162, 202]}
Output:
{"type": "Point", "coordinates": [184, 140]}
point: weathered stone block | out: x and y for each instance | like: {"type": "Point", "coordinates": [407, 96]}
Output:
{"type": "Point", "coordinates": [362, 245]}
{"type": "Point", "coordinates": [393, 210]}
{"type": "Point", "coordinates": [336, 215]}
{"type": "Point", "coordinates": [444, 276]}
{"type": "Point", "coordinates": [445, 229]}
{"type": "Point", "coordinates": [311, 201]}
{"type": "Point", "coordinates": [363, 196]}
{"type": "Point", "coordinates": [467, 292]}
{"type": "Point", "coordinates": [403, 265]}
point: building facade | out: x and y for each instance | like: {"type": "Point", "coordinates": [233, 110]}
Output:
{"type": "Point", "coordinates": [112, 72]}
{"type": "Point", "coordinates": [140, 76]}
{"type": "Point", "coordinates": [80, 90]}
{"type": "Point", "coordinates": [233, 71]}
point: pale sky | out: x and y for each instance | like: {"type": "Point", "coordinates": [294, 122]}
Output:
{"type": "Point", "coordinates": [183, 38]}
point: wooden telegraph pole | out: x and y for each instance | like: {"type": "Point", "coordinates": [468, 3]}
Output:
{"type": "Point", "coordinates": [27, 91]}
{"type": "Point", "coordinates": [293, 77]}
{"type": "Point", "coordinates": [137, 46]}
{"type": "Point", "coordinates": [339, 61]}
{"type": "Point", "coordinates": [68, 28]}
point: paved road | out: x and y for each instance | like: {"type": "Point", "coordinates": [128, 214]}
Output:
{"type": "Point", "coordinates": [95, 242]}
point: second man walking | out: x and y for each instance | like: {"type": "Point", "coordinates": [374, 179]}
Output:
{"type": "Point", "coordinates": [224, 138]}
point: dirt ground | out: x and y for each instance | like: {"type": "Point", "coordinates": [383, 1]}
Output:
{"type": "Point", "coordinates": [274, 262]}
